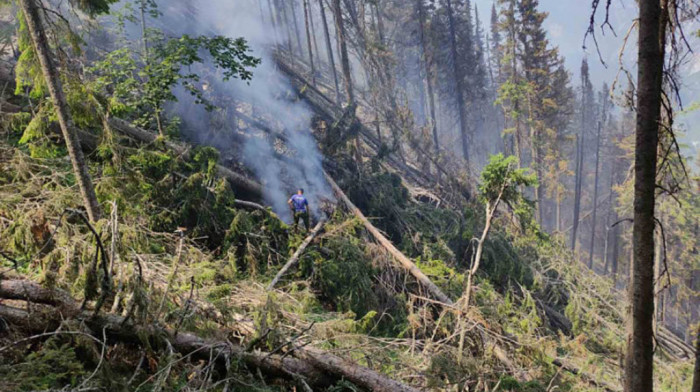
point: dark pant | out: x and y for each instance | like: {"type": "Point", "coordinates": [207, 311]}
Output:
{"type": "Point", "coordinates": [304, 216]}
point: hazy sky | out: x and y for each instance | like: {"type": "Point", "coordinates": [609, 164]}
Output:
{"type": "Point", "coordinates": [566, 27]}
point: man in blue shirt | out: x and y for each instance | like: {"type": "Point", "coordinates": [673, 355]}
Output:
{"type": "Point", "coordinates": [300, 209]}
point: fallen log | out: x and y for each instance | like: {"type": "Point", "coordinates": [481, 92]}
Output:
{"type": "Point", "coordinates": [400, 257]}
{"type": "Point", "coordinates": [314, 366]}
{"type": "Point", "coordinates": [584, 376]}
{"type": "Point", "coordinates": [295, 257]}
{"type": "Point", "coordinates": [359, 375]}
{"type": "Point", "coordinates": [48, 319]}
{"type": "Point", "coordinates": [236, 180]}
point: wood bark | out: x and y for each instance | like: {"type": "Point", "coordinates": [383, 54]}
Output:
{"type": "Point", "coordinates": [395, 253]}
{"type": "Point", "coordinates": [30, 10]}
{"type": "Point", "coordinates": [696, 372]}
{"type": "Point", "coordinates": [315, 366]}
{"type": "Point", "coordinates": [459, 84]}
{"type": "Point", "coordinates": [591, 249]}
{"type": "Point", "coordinates": [652, 44]}
{"type": "Point", "coordinates": [580, 141]}
{"type": "Point", "coordinates": [294, 260]}
{"type": "Point", "coordinates": [329, 49]}
{"type": "Point", "coordinates": [307, 17]}
{"type": "Point", "coordinates": [359, 375]}
{"type": "Point", "coordinates": [295, 20]}
{"type": "Point", "coordinates": [344, 58]}
{"type": "Point", "coordinates": [428, 81]}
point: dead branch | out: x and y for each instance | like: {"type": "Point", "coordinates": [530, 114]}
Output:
{"type": "Point", "coordinates": [294, 260]}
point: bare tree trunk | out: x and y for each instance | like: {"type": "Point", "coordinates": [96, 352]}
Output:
{"type": "Point", "coordinates": [294, 260]}
{"type": "Point", "coordinates": [591, 249]}
{"type": "Point", "coordinates": [615, 254]}
{"type": "Point", "coordinates": [307, 16]}
{"type": "Point", "coordinates": [459, 84]}
{"type": "Point", "coordinates": [313, 32]}
{"type": "Point", "coordinates": [696, 373]}
{"type": "Point", "coordinates": [652, 41]}
{"type": "Point", "coordinates": [297, 34]}
{"type": "Point", "coordinates": [285, 17]}
{"type": "Point", "coordinates": [329, 49]}
{"type": "Point", "coordinates": [53, 82]}
{"type": "Point", "coordinates": [577, 188]}
{"type": "Point", "coordinates": [344, 59]}
{"type": "Point", "coordinates": [608, 217]}
{"type": "Point", "coordinates": [429, 82]}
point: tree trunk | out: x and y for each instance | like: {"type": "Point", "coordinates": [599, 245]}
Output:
{"type": "Point", "coordinates": [297, 34]}
{"type": "Point", "coordinates": [307, 16]}
{"type": "Point", "coordinates": [577, 188]}
{"type": "Point", "coordinates": [429, 82]}
{"type": "Point", "coordinates": [313, 32]}
{"type": "Point", "coordinates": [329, 49]}
{"type": "Point", "coordinates": [608, 216]}
{"type": "Point", "coordinates": [652, 42]}
{"type": "Point", "coordinates": [311, 364]}
{"type": "Point", "coordinates": [400, 257]}
{"type": "Point", "coordinates": [282, 6]}
{"type": "Point", "coordinates": [459, 84]}
{"type": "Point", "coordinates": [53, 82]}
{"type": "Point", "coordinates": [294, 260]}
{"type": "Point", "coordinates": [696, 373]}
{"type": "Point", "coordinates": [615, 253]}
{"type": "Point", "coordinates": [595, 200]}
{"type": "Point", "coordinates": [344, 59]}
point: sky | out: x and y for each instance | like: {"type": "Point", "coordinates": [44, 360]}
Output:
{"type": "Point", "coordinates": [566, 28]}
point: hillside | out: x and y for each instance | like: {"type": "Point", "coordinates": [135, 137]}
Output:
{"type": "Point", "coordinates": [430, 264]}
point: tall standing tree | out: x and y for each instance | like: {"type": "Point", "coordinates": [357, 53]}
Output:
{"type": "Point", "coordinates": [344, 58]}
{"type": "Point", "coordinates": [586, 92]}
{"type": "Point", "coordinates": [329, 50]}
{"type": "Point", "coordinates": [639, 364]}
{"type": "Point", "coordinates": [459, 82]}
{"type": "Point", "coordinates": [427, 66]}
{"type": "Point", "coordinates": [35, 26]}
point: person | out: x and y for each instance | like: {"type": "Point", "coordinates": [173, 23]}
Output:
{"type": "Point", "coordinates": [300, 208]}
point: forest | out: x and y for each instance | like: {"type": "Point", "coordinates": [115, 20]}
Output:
{"type": "Point", "coordinates": [350, 195]}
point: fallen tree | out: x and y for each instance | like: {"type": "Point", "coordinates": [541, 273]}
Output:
{"type": "Point", "coordinates": [307, 366]}
{"type": "Point", "coordinates": [405, 262]}
{"type": "Point", "coordinates": [294, 260]}
{"type": "Point", "coordinates": [237, 181]}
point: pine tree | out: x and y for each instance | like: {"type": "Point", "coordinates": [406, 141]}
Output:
{"type": "Point", "coordinates": [30, 9]}
{"type": "Point", "coordinates": [496, 50]}
{"type": "Point", "coordinates": [458, 64]}
{"type": "Point", "coordinates": [586, 94]}
{"type": "Point", "coordinates": [639, 364]}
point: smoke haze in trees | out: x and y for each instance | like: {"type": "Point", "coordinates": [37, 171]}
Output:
{"type": "Point", "coordinates": [269, 92]}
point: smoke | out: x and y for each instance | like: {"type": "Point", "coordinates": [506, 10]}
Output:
{"type": "Point", "coordinates": [269, 93]}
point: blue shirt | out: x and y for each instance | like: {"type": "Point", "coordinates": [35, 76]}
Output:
{"type": "Point", "coordinates": [299, 203]}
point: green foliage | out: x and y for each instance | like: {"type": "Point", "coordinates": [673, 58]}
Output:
{"type": "Point", "coordinates": [142, 91]}
{"type": "Point", "coordinates": [54, 365]}
{"type": "Point", "coordinates": [502, 179]}
{"type": "Point", "coordinates": [504, 264]}
{"type": "Point", "coordinates": [344, 278]}
{"type": "Point", "coordinates": [93, 7]}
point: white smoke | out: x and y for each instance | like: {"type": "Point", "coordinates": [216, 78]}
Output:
{"type": "Point", "coordinates": [269, 92]}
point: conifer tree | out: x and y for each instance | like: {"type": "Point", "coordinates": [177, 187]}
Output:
{"type": "Point", "coordinates": [52, 78]}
